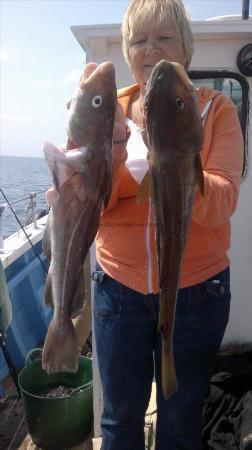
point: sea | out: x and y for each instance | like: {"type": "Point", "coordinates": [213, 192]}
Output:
{"type": "Point", "coordinates": [20, 176]}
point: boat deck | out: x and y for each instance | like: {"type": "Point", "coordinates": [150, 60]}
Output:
{"type": "Point", "coordinates": [14, 434]}
{"type": "Point", "coordinates": [12, 423]}
{"type": "Point", "coordinates": [13, 430]}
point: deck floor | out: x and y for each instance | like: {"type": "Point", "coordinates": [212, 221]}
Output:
{"type": "Point", "coordinates": [13, 430]}
{"type": "Point", "coordinates": [12, 422]}
{"type": "Point", "coordinates": [14, 434]}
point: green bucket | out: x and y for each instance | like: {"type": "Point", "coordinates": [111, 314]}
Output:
{"type": "Point", "coordinates": [57, 422]}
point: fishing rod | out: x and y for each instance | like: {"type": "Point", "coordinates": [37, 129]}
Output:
{"type": "Point", "coordinates": [9, 361]}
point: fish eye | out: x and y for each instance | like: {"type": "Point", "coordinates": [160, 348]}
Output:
{"type": "Point", "coordinates": [97, 101]}
{"type": "Point", "coordinates": [179, 103]}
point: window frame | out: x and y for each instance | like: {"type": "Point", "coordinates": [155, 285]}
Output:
{"type": "Point", "coordinates": [206, 74]}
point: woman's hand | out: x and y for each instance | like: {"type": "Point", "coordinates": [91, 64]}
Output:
{"type": "Point", "coordinates": [121, 132]}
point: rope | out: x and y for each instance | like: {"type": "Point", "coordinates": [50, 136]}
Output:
{"type": "Point", "coordinates": [26, 235]}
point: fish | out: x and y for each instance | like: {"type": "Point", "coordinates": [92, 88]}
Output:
{"type": "Point", "coordinates": [175, 138]}
{"type": "Point", "coordinates": [82, 179]}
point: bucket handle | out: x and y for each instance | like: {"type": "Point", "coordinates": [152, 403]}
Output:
{"type": "Point", "coordinates": [32, 355]}
{"type": "Point", "coordinates": [78, 389]}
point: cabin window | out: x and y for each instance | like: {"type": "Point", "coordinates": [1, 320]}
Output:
{"type": "Point", "coordinates": [235, 87]}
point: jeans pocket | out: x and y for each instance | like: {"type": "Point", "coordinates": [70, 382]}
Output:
{"type": "Point", "coordinates": [107, 296]}
{"type": "Point", "coordinates": [209, 302]}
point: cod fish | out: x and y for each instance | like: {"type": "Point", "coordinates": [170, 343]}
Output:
{"type": "Point", "coordinates": [81, 177]}
{"type": "Point", "coordinates": [175, 137]}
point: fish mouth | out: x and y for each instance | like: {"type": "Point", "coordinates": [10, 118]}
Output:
{"type": "Point", "coordinates": [105, 70]}
{"type": "Point", "coordinates": [156, 74]}
{"type": "Point", "coordinates": [154, 68]}
{"type": "Point", "coordinates": [152, 65]}
{"type": "Point", "coordinates": [147, 70]}
{"type": "Point", "coordinates": [105, 67]}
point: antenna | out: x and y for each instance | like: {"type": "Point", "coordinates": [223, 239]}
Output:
{"type": "Point", "coordinates": [245, 9]}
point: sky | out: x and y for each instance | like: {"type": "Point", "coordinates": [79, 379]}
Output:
{"type": "Point", "coordinates": [41, 62]}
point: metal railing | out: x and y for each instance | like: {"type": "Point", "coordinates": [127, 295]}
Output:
{"type": "Point", "coordinates": [31, 210]}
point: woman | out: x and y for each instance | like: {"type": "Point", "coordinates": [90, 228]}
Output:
{"type": "Point", "coordinates": [126, 304]}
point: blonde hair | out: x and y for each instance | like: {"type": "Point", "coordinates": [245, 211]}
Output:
{"type": "Point", "coordinates": [142, 13]}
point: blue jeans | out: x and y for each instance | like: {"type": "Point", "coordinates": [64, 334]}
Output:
{"type": "Point", "coordinates": [129, 353]}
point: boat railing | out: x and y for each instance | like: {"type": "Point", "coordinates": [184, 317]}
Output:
{"type": "Point", "coordinates": [31, 212]}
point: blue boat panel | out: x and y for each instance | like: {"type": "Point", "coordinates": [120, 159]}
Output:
{"type": "Point", "coordinates": [31, 317]}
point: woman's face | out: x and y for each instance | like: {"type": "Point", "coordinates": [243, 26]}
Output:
{"type": "Point", "coordinates": [147, 47]}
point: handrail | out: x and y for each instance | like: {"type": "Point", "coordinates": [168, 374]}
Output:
{"type": "Point", "coordinates": [21, 199]}
{"type": "Point", "coordinates": [32, 205]}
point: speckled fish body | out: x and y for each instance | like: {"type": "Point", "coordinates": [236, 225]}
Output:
{"type": "Point", "coordinates": [82, 184]}
{"type": "Point", "coordinates": [175, 138]}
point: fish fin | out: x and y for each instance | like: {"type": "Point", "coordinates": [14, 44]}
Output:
{"type": "Point", "coordinates": [169, 378]}
{"type": "Point", "coordinates": [70, 145]}
{"type": "Point", "coordinates": [199, 173]}
{"type": "Point", "coordinates": [46, 242]}
{"type": "Point", "coordinates": [53, 154]}
{"type": "Point", "coordinates": [106, 200]}
{"type": "Point", "coordinates": [63, 164]}
{"type": "Point", "coordinates": [144, 189]}
{"type": "Point", "coordinates": [83, 324]}
{"type": "Point", "coordinates": [60, 352]}
{"type": "Point", "coordinates": [55, 178]}
{"type": "Point", "coordinates": [107, 194]}
{"type": "Point", "coordinates": [51, 196]}
{"type": "Point", "coordinates": [78, 296]}
{"type": "Point", "coordinates": [48, 300]}
{"type": "Point", "coordinates": [78, 160]}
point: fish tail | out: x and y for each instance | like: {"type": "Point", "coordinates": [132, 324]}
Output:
{"type": "Point", "coordinates": [60, 354]}
{"type": "Point", "coordinates": [169, 378]}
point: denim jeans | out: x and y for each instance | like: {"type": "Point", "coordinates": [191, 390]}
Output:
{"type": "Point", "coordinates": [129, 355]}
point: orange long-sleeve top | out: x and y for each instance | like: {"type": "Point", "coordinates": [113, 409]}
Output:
{"type": "Point", "coordinates": [125, 242]}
